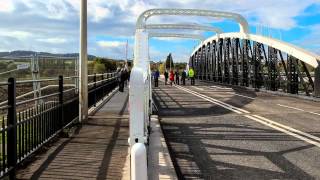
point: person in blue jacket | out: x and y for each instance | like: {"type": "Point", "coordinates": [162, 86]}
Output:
{"type": "Point", "coordinates": [156, 78]}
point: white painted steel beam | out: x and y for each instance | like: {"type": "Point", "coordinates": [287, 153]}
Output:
{"type": "Point", "coordinates": [177, 35]}
{"type": "Point", "coordinates": [185, 26]}
{"type": "Point", "coordinates": [243, 24]}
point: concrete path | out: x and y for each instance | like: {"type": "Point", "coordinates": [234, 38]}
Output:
{"type": "Point", "coordinates": [97, 151]}
{"type": "Point", "coordinates": [217, 132]}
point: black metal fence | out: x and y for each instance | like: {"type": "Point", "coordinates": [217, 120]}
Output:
{"type": "Point", "coordinates": [26, 125]}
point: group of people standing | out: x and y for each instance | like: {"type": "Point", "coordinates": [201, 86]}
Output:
{"type": "Point", "coordinates": [123, 75]}
{"type": "Point", "coordinates": [174, 77]}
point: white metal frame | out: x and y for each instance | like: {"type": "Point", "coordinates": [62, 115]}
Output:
{"type": "Point", "coordinates": [243, 24]}
{"type": "Point", "coordinates": [140, 85]}
{"type": "Point", "coordinates": [185, 26]}
{"type": "Point", "coordinates": [177, 35]}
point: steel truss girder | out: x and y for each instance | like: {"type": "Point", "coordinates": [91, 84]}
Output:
{"type": "Point", "coordinates": [207, 66]}
{"type": "Point", "coordinates": [311, 82]}
{"type": "Point", "coordinates": [214, 60]}
{"type": "Point", "coordinates": [293, 81]}
{"type": "Point", "coordinates": [235, 61]}
{"type": "Point", "coordinates": [200, 63]}
{"type": "Point", "coordinates": [245, 63]}
{"type": "Point", "coordinates": [257, 65]}
{"type": "Point", "coordinates": [219, 59]}
{"type": "Point", "coordinates": [272, 69]}
{"type": "Point", "coordinates": [227, 46]}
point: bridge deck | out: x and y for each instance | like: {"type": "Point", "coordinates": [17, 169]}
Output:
{"type": "Point", "coordinates": [213, 133]}
{"type": "Point", "coordinates": [97, 151]}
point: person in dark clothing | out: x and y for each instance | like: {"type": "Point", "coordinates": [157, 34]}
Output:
{"type": "Point", "coordinates": [118, 77]}
{"type": "Point", "coordinates": [156, 78]}
{"type": "Point", "coordinates": [183, 77]}
{"type": "Point", "coordinates": [177, 76]}
{"type": "Point", "coordinates": [122, 79]}
{"type": "Point", "coordinates": [166, 76]}
{"type": "Point", "coordinates": [128, 78]}
{"type": "Point", "coordinates": [125, 76]}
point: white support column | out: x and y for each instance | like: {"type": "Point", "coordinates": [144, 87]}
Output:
{"type": "Point", "coordinates": [83, 69]}
{"type": "Point", "coordinates": [139, 89]}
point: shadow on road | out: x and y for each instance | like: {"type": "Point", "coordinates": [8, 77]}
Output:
{"type": "Point", "coordinates": [207, 141]}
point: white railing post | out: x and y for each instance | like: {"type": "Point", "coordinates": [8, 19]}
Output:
{"type": "Point", "coordinates": [139, 93]}
{"type": "Point", "coordinates": [139, 162]}
{"type": "Point", "coordinates": [137, 104]}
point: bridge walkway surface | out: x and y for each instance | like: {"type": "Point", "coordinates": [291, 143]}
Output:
{"type": "Point", "coordinates": [218, 132]}
{"type": "Point", "coordinates": [97, 150]}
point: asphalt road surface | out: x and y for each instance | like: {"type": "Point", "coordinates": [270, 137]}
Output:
{"type": "Point", "coordinates": [216, 132]}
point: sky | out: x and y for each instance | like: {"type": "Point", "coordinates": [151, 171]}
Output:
{"type": "Point", "coordinates": [53, 25]}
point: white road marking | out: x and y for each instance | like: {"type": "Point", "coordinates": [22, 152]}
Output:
{"type": "Point", "coordinates": [241, 95]}
{"type": "Point", "coordinates": [314, 113]}
{"type": "Point", "coordinates": [298, 109]}
{"type": "Point", "coordinates": [284, 130]}
{"type": "Point", "coordinates": [233, 93]}
{"type": "Point", "coordinates": [306, 137]}
{"type": "Point", "coordinates": [201, 89]}
{"type": "Point", "coordinates": [288, 128]}
{"type": "Point", "coordinates": [215, 101]}
{"type": "Point", "coordinates": [218, 87]}
{"type": "Point", "coordinates": [220, 90]}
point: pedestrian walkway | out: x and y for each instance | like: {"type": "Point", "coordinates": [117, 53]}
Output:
{"type": "Point", "coordinates": [97, 150]}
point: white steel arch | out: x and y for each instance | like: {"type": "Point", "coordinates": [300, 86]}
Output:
{"type": "Point", "coordinates": [243, 24]}
{"type": "Point", "coordinates": [140, 99]}
{"type": "Point", "coordinates": [177, 35]}
{"type": "Point", "coordinates": [303, 55]}
{"type": "Point", "coordinates": [185, 26]}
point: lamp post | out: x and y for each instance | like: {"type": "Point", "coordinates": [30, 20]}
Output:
{"type": "Point", "coordinates": [83, 64]}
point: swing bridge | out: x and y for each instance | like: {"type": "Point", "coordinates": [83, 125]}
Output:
{"type": "Point", "coordinates": [253, 113]}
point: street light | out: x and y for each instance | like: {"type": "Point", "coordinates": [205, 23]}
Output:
{"type": "Point", "coordinates": [83, 64]}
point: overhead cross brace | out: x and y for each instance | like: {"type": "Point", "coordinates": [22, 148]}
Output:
{"type": "Point", "coordinates": [176, 35]}
{"type": "Point", "coordinates": [185, 26]}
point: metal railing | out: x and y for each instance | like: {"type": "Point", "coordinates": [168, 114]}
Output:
{"type": "Point", "coordinates": [24, 130]}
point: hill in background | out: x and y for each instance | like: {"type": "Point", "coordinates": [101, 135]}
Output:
{"type": "Point", "coordinates": [20, 53]}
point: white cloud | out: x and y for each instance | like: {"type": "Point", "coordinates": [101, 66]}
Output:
{"type": "Point", "coordinates": [53, 40]}
{"type": "Point", "coordinates": [97, 9]}
{"type": "Point", "coordinates": [106, 44]}
{"type": "Point", "coordinates": [101, 13]}
{"type": "Point", "coordinates": [15, 34]}
{"type": "Point", "coordinates": [47, 24]}
{"type": "Point", "coordinates": [57, 9]}
{"type": "Point", "coordinates": [6, 6]}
